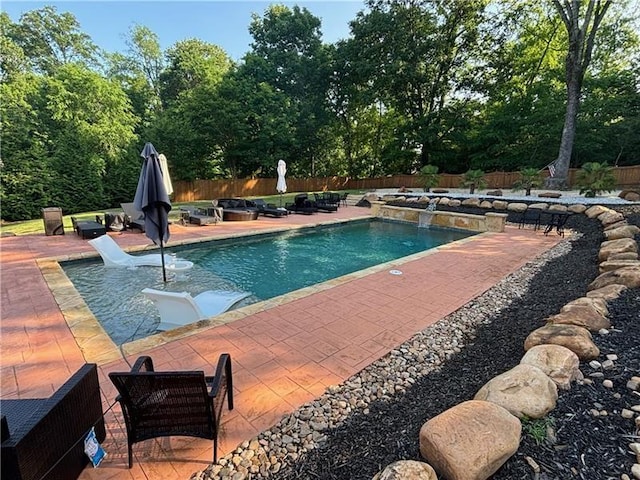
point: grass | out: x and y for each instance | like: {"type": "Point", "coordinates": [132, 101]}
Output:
{"type": "Point", "coordinates": [36, 226]}
{"type": "Point", "coordinates": [537, 429]}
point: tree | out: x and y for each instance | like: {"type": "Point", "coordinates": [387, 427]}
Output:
{"type": "Point", "coordinates": [473, 179]}
{"type": "Point", "coordinates": [429, 176]}
{"type": "Point", "coordinates": [529, 178]}
{"type": "Point", "coordinates": [582, 35]}
{"type": "Point", "coordinates": [49, 40]}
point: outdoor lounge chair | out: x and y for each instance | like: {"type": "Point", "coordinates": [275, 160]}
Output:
{"type": "Point", "coordinates": [133, 218]}
{"type": "Point", "coordinates": [43, 438]}
{"type": "Point", "coordinates": [302, 204]}
{"type": "Point", "coordinates": [114, 256]}
{"type": "Point", "coordinates": [180, 308]}
{"type": "Point", "coordinates": [165, 404]}
{"type": "Point", "coordinates": [269, 209]}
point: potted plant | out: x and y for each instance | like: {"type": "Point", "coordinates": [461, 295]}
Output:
{"type": "Point", "coordinates": [595, 178]}
{"type": "Point", "coordinates": [429, 176]}
{"type": "Point", "coordinates": [530, 178]}
{"type": "Point", "coordinates": [474, 179]}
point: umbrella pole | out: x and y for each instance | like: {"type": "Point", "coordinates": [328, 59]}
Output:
{"type": "Point", "coordinates": [164, 272]}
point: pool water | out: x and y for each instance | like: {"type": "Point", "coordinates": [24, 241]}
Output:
{"type": "Point", "coordinates": [265, 265]}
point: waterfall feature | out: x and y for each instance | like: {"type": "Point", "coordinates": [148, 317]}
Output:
{"type": "Point", "coordinates": [426, 217]}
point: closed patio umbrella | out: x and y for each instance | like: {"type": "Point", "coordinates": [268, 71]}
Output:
{"type": "Point", "coordinates": [152, 199]}
{"type": "Point", "coordinates": [166, 178]}
{"type": "Point", "coordinates": [281, 186]}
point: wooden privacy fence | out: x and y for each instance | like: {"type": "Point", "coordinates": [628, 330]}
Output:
{"type": "Point", "coordinates": [627, 177]}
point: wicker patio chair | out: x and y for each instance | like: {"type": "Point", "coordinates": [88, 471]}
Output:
{"type": "Point", "coordinates": [165, 404]}
{"type": "Point", "coordinates": [43, 438]}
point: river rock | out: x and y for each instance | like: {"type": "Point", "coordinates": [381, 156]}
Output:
{"type": "Point", "coordinates": [627, 276]}
{"type": "Point", "coordinates": [407, 469]}
{"type": "Point", "coordinates": [525, 391]}
{"type": "Point", "coordinates": [559, 363]}
{"type": "Point", "coordinates": [470, 441]}
{"type": "Point", "coordinates": [599, 304]}
{"type": "Point", "coordinates": [577, 339]}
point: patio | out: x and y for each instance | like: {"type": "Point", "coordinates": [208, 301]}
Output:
{"type": "Point", "coordinates": [285, 352]}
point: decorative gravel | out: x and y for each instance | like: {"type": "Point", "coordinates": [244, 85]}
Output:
{"type": "Point", "coordinates": [373, 419]}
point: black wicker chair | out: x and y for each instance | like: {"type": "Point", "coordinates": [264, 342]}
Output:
{"type": "Point", "coordinates": [165, 404]}
{"type": "Point", "coordinates": [43, 438]}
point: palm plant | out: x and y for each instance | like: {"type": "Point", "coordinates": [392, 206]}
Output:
{"type": "Point", "coordinates": [529, 178]}
{"type": "Point", "coordinates": [429, 176]}
{"type": "Point", "coordinates": [474, 179]}
{"type": "Point", "coordinates": [595, 178]}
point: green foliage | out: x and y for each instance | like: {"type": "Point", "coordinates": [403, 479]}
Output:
{"type": "Point", "coordinates": [595, 178]}
{"type": "Point", "coordinates": [473, 179]}
{"type": "Point", "coordinates": [429, 176]}
{"type": "Point", "coordinates": [529, 178]}
{"type": "Point", "coordinates": [537, 428]}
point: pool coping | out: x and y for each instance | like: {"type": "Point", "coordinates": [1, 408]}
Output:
{"type": "Point", "coordinates": [96, 345]}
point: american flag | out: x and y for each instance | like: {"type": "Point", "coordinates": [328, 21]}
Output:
{"type": "Point", "coordinates": [552, 168]}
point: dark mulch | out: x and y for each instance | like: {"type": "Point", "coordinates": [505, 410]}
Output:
{"type": "Point", "coordinates": [587, 447]}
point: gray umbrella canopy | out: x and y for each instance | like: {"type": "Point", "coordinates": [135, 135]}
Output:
{"type": "Point", "coordinates": [152, 199]}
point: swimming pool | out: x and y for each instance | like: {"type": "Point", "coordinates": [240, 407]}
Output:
{"type": "Point", "coordinates": [265, 265]}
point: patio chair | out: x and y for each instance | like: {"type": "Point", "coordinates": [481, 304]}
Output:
{"type": "Point", "coordinates": [113, 256]}
{"type": "Point", "coordinates": [165, 404]}
{"type": "Point", "coordinates": [269, 209]}
{"type": "Point", "coordinates": [325, 203]}
{"type": "Point", "coordinates": [180, 308]}
{"type": "Point", "coordinates": [302, 204]}
{"type": "Point", "coordinates": [43, 438]}
{"type": "Point", "coordinates": [133, 218]}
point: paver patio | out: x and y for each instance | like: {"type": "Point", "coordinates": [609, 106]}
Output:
{"type": "Point", "coordinates": [285, 352]}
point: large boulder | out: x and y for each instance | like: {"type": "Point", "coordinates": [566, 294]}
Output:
{"type": "Point", "coordinates": [623, 256]}
{"type": "Point", "coordinates": [610, 264]}
{"type": "Point", "coordinates": [407, 469]}
{"type": "Point", "coordinates": [559, 363]}
{"type": "Point", "coordinates": [471, 202]}
{"type": "Point", "coordinates": [610, 217]}
{"type": "Point", "coordinates": [517, 207]}
{"type": "Point", "coordinates": [557, 208]}
{"type": "Point", "coordinates": [577, 339]}
{"type": "Point", "coordinates": [596, 210]}
{"type": "Point", "coordinates": [454, 202]}
{"type": "Point", "coordinates": [616, 246]}
{"type": "Point", "coordinates": [599, 304]}
{"type": "Point", "coordinates": [627, 276]}
{"type": "Point", "coordinates": [627, 231]}
{"type": "Point", "coordinates": [621, 223]}
{"type": "Point", "coordinates": [486, 204]}
{"type": "Point", "coordinates": [582, 316]}
{"type": "Point", "coordinates": [539, 206]}
{"type": "Point", "coordinates": [500, 204]}
{"type": "Point", "coordinates": [470, 441]}
{"type": "Point", "coordinates": [577, 208]}
{"type": "Point", "coordinates": [525, 391]}
{"type": "Point", "coordinates": [607, 293]}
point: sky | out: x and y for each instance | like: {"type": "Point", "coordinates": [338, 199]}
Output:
{"type": "Point", "coordinates": [223, 23]}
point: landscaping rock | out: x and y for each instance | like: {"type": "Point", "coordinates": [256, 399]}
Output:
{"type": "Point", "coordinates": [495, 193]}
{"type": "Point", "coordinates": [486, 204]}
{"type": "Point", "coordinates": [623, 256]}
{"type": "Point", "coordinates": [407, 469]}
{"type": "Point", "coordinates": [444, 201]}
{"type": "Point", "coordinates": [557, 362]}
{"type": "Point", "coordinates": [577, 339]}
{"type": "Point", "coordinates": [577, 208]}
{"type": "Point", "coordinates": [620, 245]}
{"type": "Point", "coordinates": [621, 223]}
{"type": "Point", "coordinates": [557, 208]}
{"type": "Point", "coordinates": [627, 276]}
{"type": "Point", "coordinates": [500, 205]}
{"type": "Point", "coordinates": [549, 195]}
{"type": "Point", "coordinates": [627, 231]}
{"type": "Point", "coordinates": [611, 265]}
{"type": "Point", "coordinates": [582, 316]}
{"type": "Point", "coordinates": [609, 292]}
{"type": "Point", "coordinates": [471, 202]}
{"type": "Point", "coordinates": [610, 217]}
{"type": "Point", "coordinates": [599, 304]}
{"type": "Point", "coordinates": [525, 391]}
{"type": "Point", "coordinates": [454, 202]}
{"type": "Point", "coordinates": [440, 190]}
{"type": "Point", "coordinates": [596, 210]}
{"type": "Point", "coordinates": [539, 206]}
{"type": "Point", "coordinates": [517, 207]}
{"type": "Point", "coordinates": [470, 441]}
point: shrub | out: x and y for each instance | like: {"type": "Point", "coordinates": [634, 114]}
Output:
{"type": "Point", "coordinates": [474, 179]}
{"type": "Point", "coordinates": [530, 178]}
{"type": "Point", "coordinates": [595, 178]}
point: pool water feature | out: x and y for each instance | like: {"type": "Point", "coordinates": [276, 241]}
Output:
{"type": "Point", "coordinates": [267, 265]}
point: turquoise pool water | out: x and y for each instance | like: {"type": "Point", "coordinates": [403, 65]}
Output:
{"type": "Point", "coordinates": [265, 265]}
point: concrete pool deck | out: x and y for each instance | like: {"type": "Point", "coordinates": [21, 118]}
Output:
{"type": "Point", "coordinates": [285, 352]}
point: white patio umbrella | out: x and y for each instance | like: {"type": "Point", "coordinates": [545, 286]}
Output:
{"type": "Point", "coordinates": [281, 186]}
{"type": "Point", "coordinates": [166, 178]}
